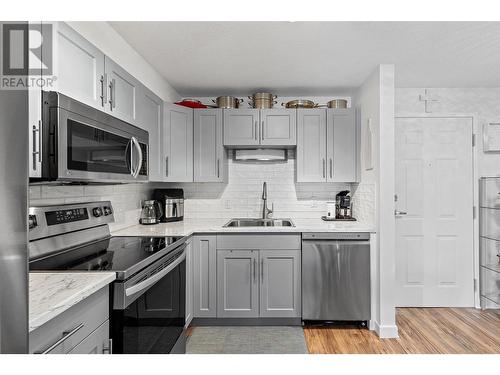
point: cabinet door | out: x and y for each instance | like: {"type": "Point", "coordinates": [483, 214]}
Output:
{"type": "Point", "coordinates": [342, 147]}
{"type": "Point", "coordinates": [209, 155]}
{"type": "Point", "coordinates": [237, 284]}
{"type": "Point", "coordinates": [278, 127]}
{"type": "Point", "coordinates": [78, 66]}
{"type": "Point", "coordinates": [280, 282]}
{"type": "Point", "coordinates": [178, 143]}
{"type": "Point", "coordinates": [311, 145]}
{"type": "Point", "coordinates": [35, 120]}
{"type": "Point", "coordinates": [189, 282]}
{"type": "Point", "coordinates": [205, 277]}
{"type": "Point", "coordinates": [97, 342]}
{"type": "Point", "coordinates": [241, 127]}
{"type": "Point", "coordinates": [149, 117]}
{"type": "Point", "coordinates": [122, 92]}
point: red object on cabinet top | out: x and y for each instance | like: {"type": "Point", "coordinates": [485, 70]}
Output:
{"type": "Point", "coordinates": [191, 103]}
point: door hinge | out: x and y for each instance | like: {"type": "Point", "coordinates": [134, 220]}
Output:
{"type": "Point", "coordinates": [473, 140]}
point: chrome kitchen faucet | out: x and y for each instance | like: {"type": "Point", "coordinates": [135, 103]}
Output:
{"type": "Point", "coordinates": [265, 210]}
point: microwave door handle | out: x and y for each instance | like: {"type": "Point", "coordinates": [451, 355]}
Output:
{"type": "Point", "coordinates": [155, 278]}
{"type": "Point", "coordinates": [139, 157]}
{"type": "Point", "coordinates": [131, 151]}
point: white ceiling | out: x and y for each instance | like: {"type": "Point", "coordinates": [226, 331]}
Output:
{"type": "Point", "coordinates": [217, 58]}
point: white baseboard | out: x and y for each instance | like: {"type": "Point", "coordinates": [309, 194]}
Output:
{"type": "Point", "coordinates": [385, 331]}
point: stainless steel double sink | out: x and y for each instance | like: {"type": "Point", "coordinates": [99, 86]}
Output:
{"type": "Point", "coordinates": [233, 223]}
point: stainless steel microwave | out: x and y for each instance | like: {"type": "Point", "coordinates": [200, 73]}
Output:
{"type": "Point", "coordinates": [80, 143]}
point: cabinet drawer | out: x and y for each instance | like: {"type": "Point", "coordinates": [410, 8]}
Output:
{"type": "Point", "coordinates": [259, 241]}
{"type": "Point", "coordinates": [95, 343]}
{"type": "Point", "coordinates": [75, 323]}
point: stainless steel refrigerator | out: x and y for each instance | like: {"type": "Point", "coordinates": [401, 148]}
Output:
{"type": "Point", "coordinates": [13, 219]}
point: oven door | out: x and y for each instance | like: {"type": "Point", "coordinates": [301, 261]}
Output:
{"type": "Point", "coordinates": [152, 321]}
{"type": "Point", "coordinates": [95, 151]}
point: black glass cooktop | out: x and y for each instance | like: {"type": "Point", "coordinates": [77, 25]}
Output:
{"type": "Point", "coordinates": [125, 255]}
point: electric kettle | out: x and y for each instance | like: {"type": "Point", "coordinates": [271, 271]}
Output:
{"type": "Point", "coordinates": [151, 212]}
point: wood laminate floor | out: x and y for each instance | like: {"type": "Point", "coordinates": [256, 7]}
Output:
{"type": "Point", "coordinates": [421, 331]}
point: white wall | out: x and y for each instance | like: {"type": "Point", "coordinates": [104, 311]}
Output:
{"type": "Point", "coordinates": [104, 37]}
{"type": "Point", "coordinates": [375, 101]}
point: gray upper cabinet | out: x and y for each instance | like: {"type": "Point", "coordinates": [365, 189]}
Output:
{"type": "Point", "coordinates": [205, 276]}
{"type": "Point", "coordinates": [280, 291]}
{"type": "Point", "coordinates": [342, 144]}
{"type": "Point", "coordinates": [122, 92]}
{"type": "Point", "coordinates": [311, 145]}
{"type": "Point", "coordinates": [237, 284]}
{"type": "Point", "coordinates": [210, 162]}
{"type": "Point", "coordinates": [241, 127]}
{"type": "Point", "coordinates": [177, 143]}
{"type": "Point", "coordinates": [78, 66]}
{"type": "Point", "coordinates": [278, 127]}
{"type": "Point", "coordinates": [149, 117]}
{"type": "Point", "coordinates": [253, 127]}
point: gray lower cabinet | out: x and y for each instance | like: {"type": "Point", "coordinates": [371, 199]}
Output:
{"type": "Point", "coordinates": [84, 327]}
{"type": "Point", "coordinates": [177, 138]}
{"type": "Point", "coordinates": [150, 117]}
{"type": "Point", "coordinates": [205, 276]}
{"type": "Point", "coordinates": [280, 283]}
{"type": "Point", "coordinates": [97, 342]}
{"type": "Point", "coordinates": [237, 284]}
{"type": "Point", "coordinates": [210, 162]}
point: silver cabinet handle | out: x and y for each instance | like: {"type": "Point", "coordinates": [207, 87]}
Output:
{"type": "Point", "coordinates": [399, 213]}
{"type": "Point", "coordinates": [109, 348]}
{"type": "Point", "coordinates": [262, 270]}
{"type": "Point", "coordinates": [255, 130]}
{"type": "Point", "coordinates": [254, 270]}
{"type": "Point", "coordinates": [35, 152]}
{"type": "Point", "coordinates": [65, 335]}
{"type": "Point", "coordinates": [166, 166]}
{"type": "Point", "coordinates": [331, 168]}
{"type": "Point", "coordinates": [112, 94]}
{"type": "Point", "coordinates": [262, 131]}
{"type": "Point", "coordinates": [218, 168]}
{"type": "Point", "coordinates": [324, 168]}
{"type": "Point", "coordinates": [104, 92]}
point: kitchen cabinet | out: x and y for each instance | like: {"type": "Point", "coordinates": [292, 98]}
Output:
{"type": "Point", "coordinates": [237, 284]}
{"type": "Point", "coordinates": [259, 276]}
{"type": "Point", "coordinates": [122, 92]}
{"type": "Point", "coordinates": [177, 143]}
{"type": "Point", "coordinates": [82, 328]}
{"type": "Point", "coordinates": [205, 276]}
{"type": "Point", "coordinates": [189, 282]}
{"type": "Point", "coordinates": [98, 342]}
{"type": "Point", "coordinates": [150, 118]}
{"type": "Point", "coordinates": [311, 145]}
{"type": "Point", "coordinates": [35, 120]}
{"type": "Point", "coordinates": [78, 66]}
{"type": "Point", "coordinates": [210, 161]}
{"type": "Point", "coordinates": [252, 127]}
{"type": "Point", "coordinates": [278, 127]}
{"type": "Point", "coordinates": [327, 145]}
{"type": "Point", "coordinates": [280, 283]}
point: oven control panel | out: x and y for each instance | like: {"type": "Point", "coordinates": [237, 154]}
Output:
{"type": "Point", "coordinates": [52, 220]}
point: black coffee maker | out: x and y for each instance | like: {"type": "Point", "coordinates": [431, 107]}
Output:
{"type": "Point", "coordinates": [343, 206]}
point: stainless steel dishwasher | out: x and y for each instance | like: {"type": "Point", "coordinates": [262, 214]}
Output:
{"type": "Point", "coordinates": [336, 277]}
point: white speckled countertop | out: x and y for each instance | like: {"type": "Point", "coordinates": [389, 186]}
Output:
{"type": "Point", "coordinates": [51, 293]}
{"type": "Point", "coordinates": [188, 227]}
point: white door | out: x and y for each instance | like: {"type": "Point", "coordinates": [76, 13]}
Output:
{"type": "Point", "coordinates": [434, 227]}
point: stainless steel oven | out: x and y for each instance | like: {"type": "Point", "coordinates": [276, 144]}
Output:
{"type": "Point", "coordinates": [80, 143]}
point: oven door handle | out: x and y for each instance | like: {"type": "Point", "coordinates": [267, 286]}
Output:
{"type": "Point", "coordinates": [155, 278]}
